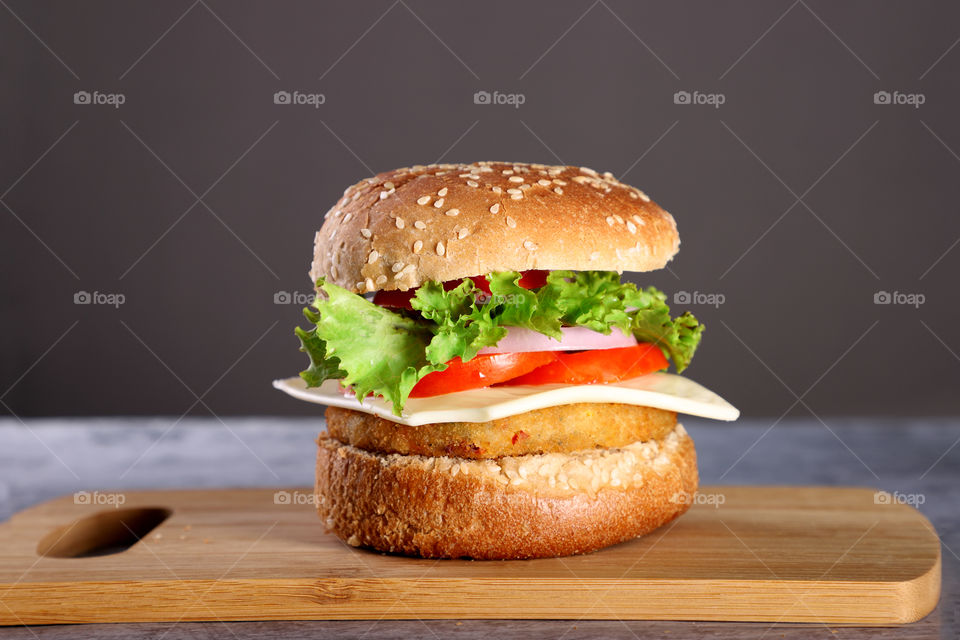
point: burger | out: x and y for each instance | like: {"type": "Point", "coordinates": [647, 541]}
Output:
{"type": "Point", "coordinates": [495, 390]}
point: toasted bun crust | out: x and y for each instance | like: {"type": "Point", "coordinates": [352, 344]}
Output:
{"type": "Point", "coordinates": [449, 221]}
{"type": "Point", "coordinates": [562, 429]}
{"type": "Point", "coordinates": [515, 507]}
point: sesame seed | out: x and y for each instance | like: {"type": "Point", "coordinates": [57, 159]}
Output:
{"type": "Point", "coordinates": [400, 223]}
{"type": "Point", "coordinates": [465, 175]}
{"type": "Point", "coordinates": [369, 283]}
{"type": "Point", "coordinates": [514, 191]}
{"type": "Point", "coordinates": [365, 233]}
{"type": "Point", "coordinates": [408, 268]}
{"type": "Point", "coordinates": [472, 183]}
{"type": "Point", "coordinates": [516, 196]}
{"type": "Point", "coordinates": [495, 208]}
{"type": "Point", "coordinates": [463, 233]}
{"type": "Point", "coordinates": [634, 196]}
{"type": "Point", "coordinates": [419, 224]}
{"type": "Point", "coordinates": [417, 246]}
{"type": "Point", "coordinates": [589, 171]}
{"type": "Point", "coordinates": [562, 183]}
{"type": "Point", "coordinates": [453, 212]}
{"type": "Point", "coordinates": [442, 192]}
{"type": "Point", "coordinates": [396, 267]}
{"type": "Point", "coordinates": [558, 191]}
{"type": "Point", "coordinates": [381, 279]}
{"type": "Point", "coordinates": [440, 249]}
{"type": "Point", "coordinates": [643, 196]}
{"type": "Point", "coordinates": [359, 286]}
{"type": "Point", "coordinates": [618, 218]}
{"type": "Point", "coordinates": [388, 186]}
{"type": "Point", "coordinates": [507, 172]}
{"type": "Point", "coordinates": [632, 228]}
{"type": "Point", "coordinates": [334, 272]}
{"type": "Point", "coordinates": [511, 222]}
{"type": "Point", "coordinates": [529, 246]}
{"type": "Point", "coordinates": [423, 200]}
{"type": "Point", "coordinates": [497, 190]}
{"type": "Point", "coordinates": [347, 217]}
{"type": "Point", "coordinates": [580, 179]}
{"type": "Point", "coordinates": [608, 176]}
{"type": "Point", "coordinates": [543, 183]}
{"type": "Point", "coordinates": [438, 203]}
{"type": "Point", "coordinates": [384, 194]}
{"type": "Point", "coordinates": [372, 257]}
{"type": "Point", "coordinates": [610, 220]}
{"type": "Point", "coordinates": [516, 179]}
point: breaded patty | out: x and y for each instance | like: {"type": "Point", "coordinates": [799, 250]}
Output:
{"type": "Point", "coordinates": [562, 429]}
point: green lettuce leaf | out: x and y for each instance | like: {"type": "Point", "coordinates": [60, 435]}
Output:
{"type": "Point", "coordinates": [677, 338]}
{"type": "Point", "coordinates": [599, 301]}
{"type": "Point", "coordinates": [593, 299]}
{"type": "Point", "coordinates": [322, 367]}
{"type": "Point", "coordinates": [462, 328]}
{"type": "Point", "coordinates": [384, 352]}
{"type": "Point", "coordinates": [375, 349]}
{"type": "Point", "coordinates": [519, 307]}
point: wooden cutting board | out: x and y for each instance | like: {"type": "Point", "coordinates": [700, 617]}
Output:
{"type": "Point", "coordinates": [829, 555]}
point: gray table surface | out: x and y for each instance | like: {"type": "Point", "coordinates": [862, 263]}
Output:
{"type": "Point", "coordinates": [41, 459]}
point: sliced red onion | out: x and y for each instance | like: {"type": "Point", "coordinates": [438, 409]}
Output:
{"type": "Point", "coordinates": [520, 340]}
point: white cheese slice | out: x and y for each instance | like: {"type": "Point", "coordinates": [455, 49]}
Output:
{"type": "Point", "coordinates": [659, 390]}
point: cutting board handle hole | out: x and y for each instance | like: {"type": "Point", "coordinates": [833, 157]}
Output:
{"type": "Point", "coordinates": [103, 533]}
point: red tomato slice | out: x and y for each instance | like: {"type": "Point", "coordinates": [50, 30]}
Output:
{"type": "Point", "coordinates": [532, 279]}
{"type": "Point", "coordinates": [481, 371]}
{"type": "Point", "coordinates": [597, 366]}
{"type": "Point", "coordinates": [481, 283]}
{"type": "Point", "coordinates": [394, 299]}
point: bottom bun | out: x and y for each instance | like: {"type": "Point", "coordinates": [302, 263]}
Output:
{"type": "Point", "coordinates": [532, 506]}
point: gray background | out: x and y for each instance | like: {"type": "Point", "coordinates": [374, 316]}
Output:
{"type": "Point", "coordinates": [797, 199]}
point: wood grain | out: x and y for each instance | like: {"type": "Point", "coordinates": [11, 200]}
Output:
{"type": "Point", "coordinates": [765, 554]}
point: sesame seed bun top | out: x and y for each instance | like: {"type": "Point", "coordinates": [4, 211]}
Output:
{"type": "Point", "coordinates": [443, 222]}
